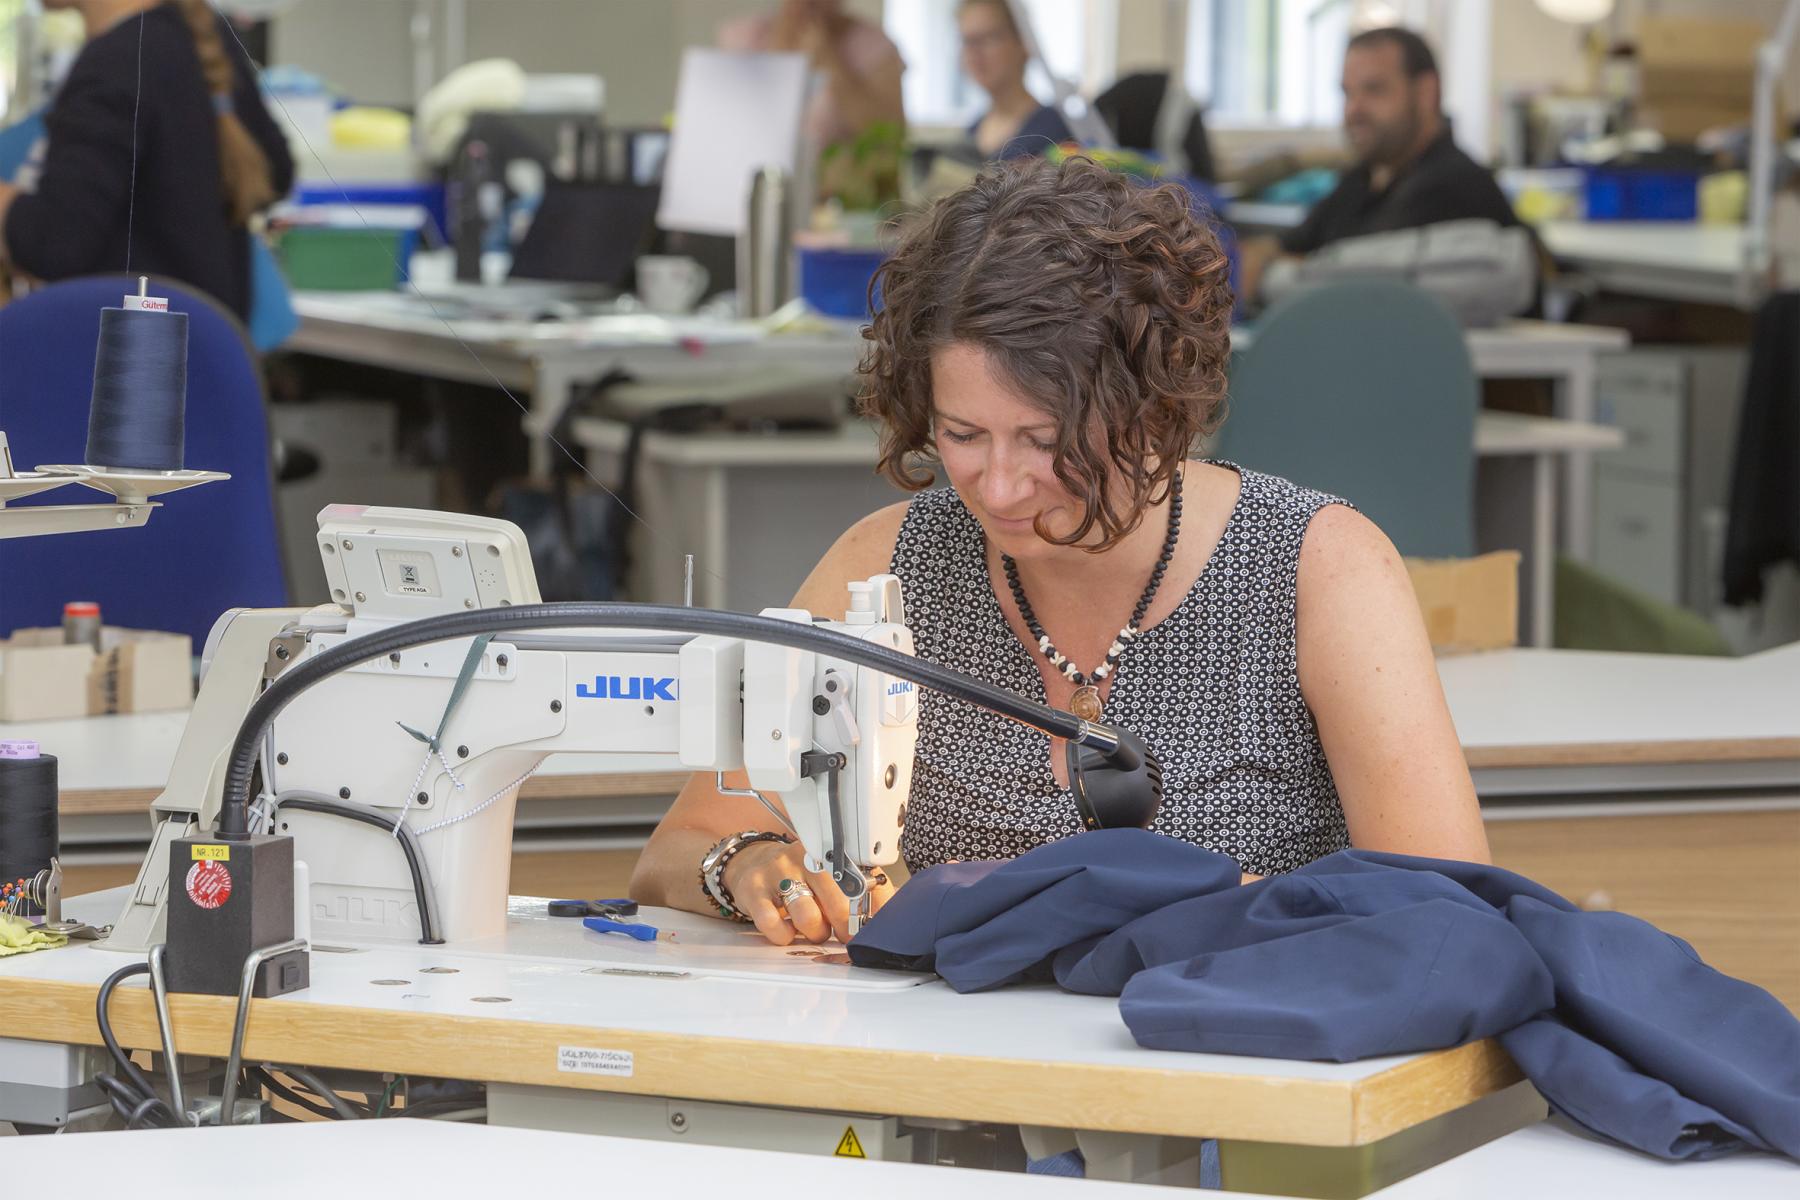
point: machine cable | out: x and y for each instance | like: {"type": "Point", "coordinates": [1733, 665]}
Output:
{"type": "Point", "coordinates": [133, 1097]}
{"type": "Point", "coordinates": [234, 814]}
{"type": "Point", "coordinates": [423, 891]}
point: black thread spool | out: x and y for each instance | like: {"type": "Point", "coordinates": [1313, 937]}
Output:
{"type": "Point", "coordinates": [137, 419]}
{"type": "Point", "coordinates": [28, 834]}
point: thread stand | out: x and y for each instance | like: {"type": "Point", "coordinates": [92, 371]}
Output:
{"type": "Point", "coordinates": [132, 492]}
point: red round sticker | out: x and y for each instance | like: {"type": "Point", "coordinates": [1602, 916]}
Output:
{"type": "Point", "coordinates": [208, 883]}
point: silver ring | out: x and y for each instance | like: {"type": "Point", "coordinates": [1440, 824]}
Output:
{"type": "Point", "coordinates": [792, 889]}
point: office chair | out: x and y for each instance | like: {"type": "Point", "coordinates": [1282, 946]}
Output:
{"type": "Point", "coordinates": [207, 549]}
{"type": "Point", "coordinates": [1364, 389]}
{"type": "Point", "coordinates": [1132, 109]}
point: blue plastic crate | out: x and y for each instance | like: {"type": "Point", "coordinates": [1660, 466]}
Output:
{"type": "Point", "coordinates": [836, 281]}
{"type": "Point", "coordinates": [1628, 194]}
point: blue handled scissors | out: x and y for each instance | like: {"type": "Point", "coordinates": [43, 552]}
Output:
{"type": "Point", "coordinates": [605, 916]}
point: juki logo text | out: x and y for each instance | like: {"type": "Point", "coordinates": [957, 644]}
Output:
{"type": "Point", "coordinates": [627, 687]}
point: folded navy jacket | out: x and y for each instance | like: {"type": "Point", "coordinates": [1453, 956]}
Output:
{"type": "Point", "coordinates": [1358, 954]}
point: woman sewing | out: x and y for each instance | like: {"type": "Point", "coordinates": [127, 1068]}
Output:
{"type": "Point", "coordinates": [993, 55]}
{"type": "Point", "coordinates": [1055, 338]}
{"type": "Point", "coordinates": [159, 151]}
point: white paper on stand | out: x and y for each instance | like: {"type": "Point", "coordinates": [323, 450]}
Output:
{"type": "Point", "coordinates": [734, 115]}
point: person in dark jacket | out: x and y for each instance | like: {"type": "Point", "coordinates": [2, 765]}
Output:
{"type": "Point", "coordinates": [159, 174]}
{"type": "Point", "coordinates": [1409, 170]}
{"type": "Point", "coordinates": [994, 56]}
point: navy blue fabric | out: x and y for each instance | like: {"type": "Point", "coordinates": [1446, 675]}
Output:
{"type": "Point", "coordinates": [1068, 1165]}
{"type": "Point", "coordinates": [981, 925]}
{"type": "Point", "coordinates": [1360, 953]}
{"type": "Point", "coordinates": [1650, 1046]}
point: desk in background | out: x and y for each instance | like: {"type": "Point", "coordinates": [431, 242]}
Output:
{"type": "Point", "coordinates": [1659, 785]}
{"type": "Point", "coordinates": [543, 361]}
{"type": "Point", "coordinates": [547, 359]}
{"type": "Point", "coordinates": [759, 510]}
{"type": "Point", "coordinates": [1664, 260]}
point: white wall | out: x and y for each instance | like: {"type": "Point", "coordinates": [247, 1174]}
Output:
{"type": "Point", "coordinates": [1152, 35]}
{"type": "Point", "coordinates": [365, 47]}
{"type": "Point", "coordinates": [1533, 52]}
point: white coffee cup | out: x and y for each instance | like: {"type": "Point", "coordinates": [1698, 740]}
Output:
{"type": "Point", "coordinates": [670, 283]}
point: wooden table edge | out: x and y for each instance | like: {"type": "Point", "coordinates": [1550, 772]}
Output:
{"type": "Point", "coordinates": [1648, 753]}
{"type": "Point", "coordinates": [1420, 1089]}
{"type": "Point", "coordinates": [776, 1074]}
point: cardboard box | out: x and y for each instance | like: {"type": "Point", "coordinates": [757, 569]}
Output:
{"type": "Point", "coordinates": [41, 679]}
{"type": "Point", "coordinates": [43, 682]}
{"type": "Point", "coordinates": [1697, 73]}
{"type": "Point", "coordinates": [1468, 604]}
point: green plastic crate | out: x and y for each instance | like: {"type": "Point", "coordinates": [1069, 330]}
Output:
{"type": "Point", "coordinates": [345, 260]}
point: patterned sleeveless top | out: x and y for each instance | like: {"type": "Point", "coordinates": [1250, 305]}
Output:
{"type": "Point", "coordinates": [1213, 688]}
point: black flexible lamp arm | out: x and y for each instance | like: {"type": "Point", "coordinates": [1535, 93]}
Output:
{"type": "Point", "coordinates": [1093, 748]}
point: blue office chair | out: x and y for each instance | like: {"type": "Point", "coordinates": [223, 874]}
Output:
{"type": "Point", "coordinates": [1364, 389]}
{"type": "Point", "coordinates": [207, 549]}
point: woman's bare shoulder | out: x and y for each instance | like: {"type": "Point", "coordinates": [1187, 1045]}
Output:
{"type": "Point", "coordinates": [864, 549]}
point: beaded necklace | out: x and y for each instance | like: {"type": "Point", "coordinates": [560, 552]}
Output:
{"type": "Point", "coordinates": [1086, 701]}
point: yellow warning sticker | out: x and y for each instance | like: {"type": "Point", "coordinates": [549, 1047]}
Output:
{"type": "Point", "coordinates": [849, 1146]}
{"type": "Point", "coordinates": [216, 853]}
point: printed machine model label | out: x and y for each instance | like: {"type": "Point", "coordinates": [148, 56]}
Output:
{"type": "Point", "coordinates": [591, 1060]}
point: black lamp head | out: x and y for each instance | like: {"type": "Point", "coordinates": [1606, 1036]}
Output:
{"type": "Point", "coordinates": [1116, 789]}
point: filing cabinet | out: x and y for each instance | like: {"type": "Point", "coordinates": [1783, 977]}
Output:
{"type": "Point", "coordinates": [1657, 500]}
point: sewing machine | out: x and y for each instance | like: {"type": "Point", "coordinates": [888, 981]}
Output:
{"type": "Point", "coordinates": [434, 742]}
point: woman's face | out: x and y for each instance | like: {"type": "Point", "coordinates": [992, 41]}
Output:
{"type": "Point", "coordinates": [997, 448]}
{"type": "Point", "coordinates": [992, 55]}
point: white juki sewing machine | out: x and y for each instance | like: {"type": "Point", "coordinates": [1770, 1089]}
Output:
{"type": "Point", "coordinates": [397, 777]}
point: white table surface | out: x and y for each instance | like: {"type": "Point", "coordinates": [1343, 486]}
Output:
{"type": "Point", "coordinates": [1569, 697]}
{"type": "Point", "coordinates": [1036, 1024]}
{"type": "Point", "coordinates": [129, 751]}
{"type": "Point", "coordinates": [402, 312]}
{"type": "Point", "coordinates": [1670, 245]}
{"type": "Point", "coordinates": [546, 359]}
{"type": "Point", "coordinates": [1551, 1161]}
{"type": "Point", "coordinates": [1670, 260]}
{"type": "Point", "coordinates": [323, 1159]}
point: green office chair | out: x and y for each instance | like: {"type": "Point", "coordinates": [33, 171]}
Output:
{"type": "Point", "coordinates": [1365, 390]}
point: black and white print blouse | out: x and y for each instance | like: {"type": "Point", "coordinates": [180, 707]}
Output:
{"type": "Point", "coordinates": [1213, 688]}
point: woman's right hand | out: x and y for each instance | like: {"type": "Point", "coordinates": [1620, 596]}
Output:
{"type": "Point", "coordinates": [817, 914]}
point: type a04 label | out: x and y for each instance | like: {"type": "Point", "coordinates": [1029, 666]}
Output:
{"type": "Point", "coordinates": [588, 1060]}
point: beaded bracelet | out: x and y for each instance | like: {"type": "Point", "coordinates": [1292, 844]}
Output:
{"type": "Point", "coordinates": [712, 869]}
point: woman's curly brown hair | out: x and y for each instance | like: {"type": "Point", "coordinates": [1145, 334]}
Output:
{"type": "Point", "coordinates": [1101, 298]}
